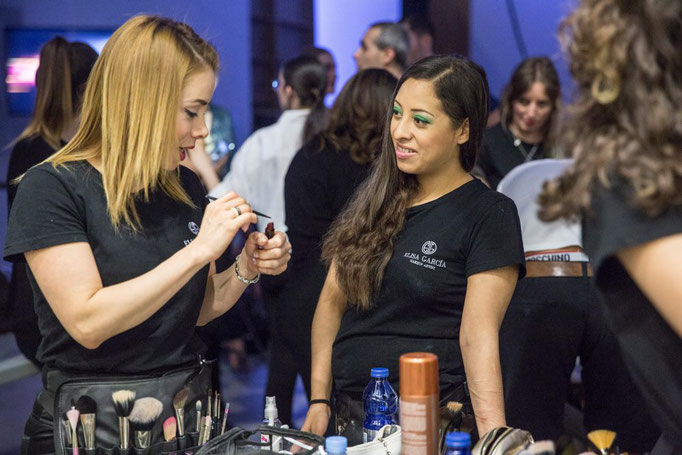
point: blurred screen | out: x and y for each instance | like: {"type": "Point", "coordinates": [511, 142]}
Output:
{"type": "Point", "coordinates": [23, 57]}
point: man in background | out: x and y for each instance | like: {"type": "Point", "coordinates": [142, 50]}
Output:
{"type": "Point", "coordinates": [420, 32]}
{"type": "Point", "coordinates": [385, 45]}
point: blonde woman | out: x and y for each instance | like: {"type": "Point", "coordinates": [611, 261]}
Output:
{"type": "Point", "coordinates": [118, 239]}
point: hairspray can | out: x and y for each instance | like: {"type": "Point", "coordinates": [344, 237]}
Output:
{"type": "Point", "coordinates": [419, 395]}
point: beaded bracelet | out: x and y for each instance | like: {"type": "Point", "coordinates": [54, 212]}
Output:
{"type": "Point", "coordinates": [239, 275]}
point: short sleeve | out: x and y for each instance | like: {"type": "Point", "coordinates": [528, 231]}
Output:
{"type": "Point", "coordinates": [45, 213]}
{"type": "Point", "coordinates": [495, 239]}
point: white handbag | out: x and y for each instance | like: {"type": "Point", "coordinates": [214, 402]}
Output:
{"type": "Point", "coordinates": [387, 442]}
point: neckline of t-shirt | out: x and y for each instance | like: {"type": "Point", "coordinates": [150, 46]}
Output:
{"type": "Point", "coordinates": [441, 199]}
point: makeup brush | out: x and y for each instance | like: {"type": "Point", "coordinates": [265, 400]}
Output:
{"type": "Point", "coordinates": [72, 415]}
{"type": "Point", "coordinates": [67, 429]}
{"type": "Point", "coordinates": [198, 409]}
{"type": "Point", "coordinates": [169, 427]}
{"type": "Point", "coordinates": [142, 418]}
{"type": "Point", "coordinates": [88, 409]}
{"type": "Point", "coordinates": [179, 402]}
{"type": "Point", "coordinates": [227, 411]}
{"type": "Point", "coordinates": [209, 403]}
{"type": "Point", "coordinates": [216, 414]}
{"type": "Point", "coordinates": [123, 404]}
{"type": "Point", "coordinates": [211, 198]}
{"type": "Point", "coordinates": [206, 431]}
{"type": "Point", "coordinates": [602, 440]}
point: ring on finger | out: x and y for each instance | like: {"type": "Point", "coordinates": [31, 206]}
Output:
{"type": "Point", "coordinates": [237, 212]}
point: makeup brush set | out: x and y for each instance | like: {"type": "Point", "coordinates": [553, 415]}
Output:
{"type": "Point", "coordinates": [176, 412]}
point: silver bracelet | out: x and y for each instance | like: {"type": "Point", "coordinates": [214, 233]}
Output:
{"type": "Point", "coordinates": [239, 275]}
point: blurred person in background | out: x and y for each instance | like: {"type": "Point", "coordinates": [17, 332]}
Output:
{"type": "Point", "coordinates": [60, 82]}
{"type": "Point", "coordinates": [326, 59]}
{"type": "Point", "coordinates": [385, 45]}
{"type": "Point", "coordinates": [421, 33]}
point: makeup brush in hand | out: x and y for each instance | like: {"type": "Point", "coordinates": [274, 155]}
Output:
{"type": "Point", "coordinates": [88, 409]}
{"type": "Point", "coordinates": [169, 427]}
{"type": "Point", "coordinates": [602, 440]}
{"type": "Point", "coordinates": [179, 402]}
{"type": "Point", "coordinates": [72, 415]}
{"type": "Point", "coordinates": [123, 404]}
{"type": "Point", "coordinates": [142, 418]}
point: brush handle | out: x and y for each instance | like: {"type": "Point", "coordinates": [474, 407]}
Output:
{"type": "Point", "coordinates": [124, 432]}
{"type": "Point", "coordinates": [180, 414]}
{"type": "Point", "coordinates": [88, 423]}
{"type": "Point", "coordinates": [74, 440]}
{"type": "Point", "coordinates": [67, 431]}
{"type": "Point", "coordinates": [199, 422]}
{"type": "Point", "coordinates": [143, 439]}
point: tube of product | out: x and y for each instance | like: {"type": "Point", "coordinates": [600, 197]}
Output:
{"type": "Point", "coordinates": [419, 393]}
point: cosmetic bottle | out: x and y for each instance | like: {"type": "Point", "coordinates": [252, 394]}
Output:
{"type": "Point", "coordinates": [419, 410]}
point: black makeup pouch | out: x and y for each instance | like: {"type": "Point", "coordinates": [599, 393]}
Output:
{"type": "Point", "coordinates": [264, 441]}
{"type": "Point", "coordinates": [107, 441]}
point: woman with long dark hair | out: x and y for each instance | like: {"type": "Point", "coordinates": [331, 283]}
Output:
{"type": "Point", "coordinates": [529, 105]}
{"type": "Point", "coordinates": [425, 257]}
{"type": "Point", "coordinates": [626, 137]}
{"type": "Point", "coordinates": [60, 82]}
{"type": "Point", "coordinates": [322, 177]}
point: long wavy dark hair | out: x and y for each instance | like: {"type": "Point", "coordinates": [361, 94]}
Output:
{"type": "Point", "coordinates": [357, 116]}
{"type": "Point", "coordinates": [530, 70]}
{"type": "Point", "coordinates": [308, 79]}
{"type": "Point", "coordinates": [361, 240]}
{"type": "Point", "coordinates": [627, 119]}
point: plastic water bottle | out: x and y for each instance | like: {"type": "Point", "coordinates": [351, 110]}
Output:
{"type": "Point", "coordinates": [272, 421]}
{"type": "Point", "coordinates": [335, 445]}
{"type": "Point", "coordinates": [380, 403]}
{"type": "Point", "coordinates": [457, 444]}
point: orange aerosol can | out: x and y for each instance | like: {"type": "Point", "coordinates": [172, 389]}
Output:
{"type": "Point", "coordinates": [419, 408]}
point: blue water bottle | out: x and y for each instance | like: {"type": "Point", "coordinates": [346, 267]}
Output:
{"type": "Point", "coordinates": [457, 444]}
{"type": "Point", "coordinates": [335, 445]}
{"type": "Point", "coordinates": [380, 403]}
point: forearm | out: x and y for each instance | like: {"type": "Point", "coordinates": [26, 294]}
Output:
{"type": "Point", "coordinates": [480, 353]}
{"type": "Point", "coordinates": [117, 308]}
{"type": "Point", "coordinates": [222, 292]}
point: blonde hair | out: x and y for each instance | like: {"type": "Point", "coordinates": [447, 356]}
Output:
{"type": "Point", "coordinates": [128, 119]}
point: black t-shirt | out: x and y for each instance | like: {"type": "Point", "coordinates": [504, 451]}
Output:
{"type": "Point", "coordinates": [651, 349]}
{"type": "Point", "coordinates": [318, 185]}
{"type": "Point", "coordinates": [499, 155]}
{"type": "Point", "coordinates": [65, 205]}
{"type": "Point", "coordinates": [26, 153]}
{"type": "Point", "coordinates": [419, 306]}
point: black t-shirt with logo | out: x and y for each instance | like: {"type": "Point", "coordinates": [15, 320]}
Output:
{"type": "Point", "coordinates": [651, 349]}
{"type": "Point", "coordinates": [68, 204]}
{"type": "Point", "coordinates": [419, 306]}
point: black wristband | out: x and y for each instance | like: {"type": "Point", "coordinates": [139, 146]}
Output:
{"type": "Point", "coordinates": [327, 402]}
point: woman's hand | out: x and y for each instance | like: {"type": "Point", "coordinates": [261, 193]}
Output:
{"type": "Point", "coordinates": [222, 219]}
{"type": "Point", "coordinates": [317, 419]}
{"type": "Point", "coordinates": [263, 255]}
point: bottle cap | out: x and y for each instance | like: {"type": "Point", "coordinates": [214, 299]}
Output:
{"type": "Point", "coordinates": [458, 440]}
{"type": "Point", "coordinates": [381, 373]}
{"type": "Point", "coordinates": [335, 444]}
{"type": "Point", "coordinates": [419, 374]}
{"type": "Point", "coordinates": [270, 408]}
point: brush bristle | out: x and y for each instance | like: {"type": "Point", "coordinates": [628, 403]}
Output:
{"type": "Point", "coordinates": [454, 406]}
{"type": "Point", "coordinates": [86, 405]}
{"type": "Point", "coordinates": [198, 406]}
{"type": "Point", "coordinates": [72, 414]}
{"type": "Point", "coordinates": [144, 414]}
{"type": "Point", "coordinates": [180, 398]}
{"type": "Point", "coordinates": [602, 439]}
{"type": "Point", "coordinates": [170, 425]}
{"type": "Point", "coordinates": [123, 402]}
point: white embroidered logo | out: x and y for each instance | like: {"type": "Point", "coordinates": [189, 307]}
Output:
{"type": "Point", "coordinates": [194, 227]}
{"type": "Point", "coordinates": [429, 247]}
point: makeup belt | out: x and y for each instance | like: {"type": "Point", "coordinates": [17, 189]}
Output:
{"type": "Point", "coordinates": [63, 389]}
{"type": "Point", "coordinates": [538, 269]}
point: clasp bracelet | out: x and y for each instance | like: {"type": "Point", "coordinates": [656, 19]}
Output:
{"type": "Point", "coordinates": [239, 275]}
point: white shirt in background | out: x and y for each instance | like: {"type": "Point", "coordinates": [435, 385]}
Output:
{"type": "Point", "coordinates": [258, 169]}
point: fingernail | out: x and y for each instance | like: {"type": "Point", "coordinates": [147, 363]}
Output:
{"type": "Point", "coordinates": [255, 254]}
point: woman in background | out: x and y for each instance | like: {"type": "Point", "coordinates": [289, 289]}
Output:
{"type": "Point", "coordinates": [626, 137]}
{"type": "Point", "coordinates": [420, 201]}
{"type": "Point", "coordinates": [322, 177]}
{"type": "Point", "coordinates": [60, 83]}
{"type": "Point", "coordinates": [529, 110]}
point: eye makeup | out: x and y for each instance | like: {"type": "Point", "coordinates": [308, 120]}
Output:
{"type": "Point", "coordinates": [190, 114]}
{"type": "Point", "coordinates": [397, 110]}
{"type": "Point", "coordinates": [423, 119]}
